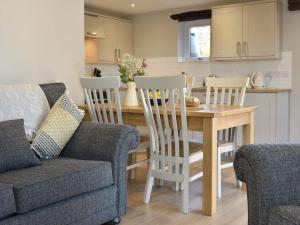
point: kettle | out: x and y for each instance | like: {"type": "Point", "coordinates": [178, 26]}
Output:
{"type": "Point", "coordinates": [259, 80]}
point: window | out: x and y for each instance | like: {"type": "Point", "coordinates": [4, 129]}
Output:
{"type": "Point", "coordinates": [194, 40]}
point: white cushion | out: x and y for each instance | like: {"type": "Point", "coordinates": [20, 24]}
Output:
{"type": "Point", "coordinates": [24, 101]}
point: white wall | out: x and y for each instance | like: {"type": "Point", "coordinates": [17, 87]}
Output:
{"type": "Point", "coordinates": [42, 41]}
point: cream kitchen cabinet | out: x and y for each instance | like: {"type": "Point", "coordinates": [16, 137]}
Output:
{"type": "Point", "coordinates": [227, 32]}
{"type": "Point", "coordinates": [118, 39]}
{"type": "Point", "coordinates": [247, 31]}
{"type": "Point", "coordinates": [92, 26]}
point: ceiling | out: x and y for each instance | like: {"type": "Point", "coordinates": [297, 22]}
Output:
{"type": "Point", "coordinates": [144, 6]}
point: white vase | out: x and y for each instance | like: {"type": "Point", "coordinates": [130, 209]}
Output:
{"type": "Point", "coordinates": [131, 96]}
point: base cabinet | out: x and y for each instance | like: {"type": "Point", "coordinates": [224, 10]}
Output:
{"type": "Point", "coordinates": [271, 120]}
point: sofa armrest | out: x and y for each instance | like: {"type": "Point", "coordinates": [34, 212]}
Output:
{"type": "Point", "coordinates": [7, 201]}
{"type": "Point", "coordinates": [272, 175]}
{"type": "Point", "coordinates": [104, 142]}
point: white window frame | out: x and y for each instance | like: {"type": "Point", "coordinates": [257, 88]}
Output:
{"type": "Point", "coordinates": [184, 45]}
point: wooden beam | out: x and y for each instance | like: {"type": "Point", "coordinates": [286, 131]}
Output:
{"type": "Point", "coordinates": [294, 5]}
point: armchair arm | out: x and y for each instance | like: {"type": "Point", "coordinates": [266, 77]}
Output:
{"type": "Point", "coordinates": [7, 201]}
{"type": "Point", "coordinates": [272, 175]}
{"type": "Point", "coordinates": [104, 142]}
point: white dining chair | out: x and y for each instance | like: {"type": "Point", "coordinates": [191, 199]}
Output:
{"type": "Point", "coordinates": [190, 81]}
{"type": "Point", "coordinates": [169, 159]}
{"type": "Point", "coordinates": [226, 91]}
{"type": "Point", "coordinates": [102, 96]}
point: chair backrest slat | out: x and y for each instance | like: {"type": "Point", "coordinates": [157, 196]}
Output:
{"type": "Point", "coordinates": [167, 130]}
{"type": "Point", "coordinates": [103, 106]}
{"type": "Point", "coordinates": [175, 126]}
{"type": "Point", "coordinates": [109, 101]}
{"type": "Point", "coordinates": [100, 106]}
{"type": "Point", "coordinates": [216, 95]}
{"type": "Point", "coordinates": [95, 101]}
{"type": "Point", "coordinates": [222, 96]}
{"type": "Point", "coordinates": [235, 88]}
{"type": "Point", "coordinates": [165, 151]}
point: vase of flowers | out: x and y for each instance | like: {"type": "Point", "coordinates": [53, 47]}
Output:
{"type": "Point", "coordinates": [129, 68]}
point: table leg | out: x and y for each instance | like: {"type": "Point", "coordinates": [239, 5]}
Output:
{"type": "Point", "coordinates": [248, 131]}
{"type": "Point", "coordinates": [209, 203]}
{"type": "Point", "coordinates": [248, 137]}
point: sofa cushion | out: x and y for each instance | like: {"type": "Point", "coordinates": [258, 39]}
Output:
{"type": "Point", "coordinates": [79, 210]}
{"type": "Point", "coordinates": [53, 91]}
{"type": "Point", "coordinates": [285, 215]}
{"type": "Point", "coordinates": [57, 129]}
{"type": "Point", "coordinates": [7, 201]}
{"type": "Point", "coordinates": [15, 151]}
{"type": "Point", "coordinates": [56, 180]}
{"type": "Point", "coordinates": [24, 101]}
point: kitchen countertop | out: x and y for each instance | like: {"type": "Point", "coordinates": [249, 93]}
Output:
{"type": "Point", "coordinates": [251, 90]}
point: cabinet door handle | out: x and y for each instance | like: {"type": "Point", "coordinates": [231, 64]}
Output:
{"type": "Point", "coordinates": [119, 53]}
{"type": "Point", "coordinates": [239, 48]}
{"type": "Point", "coordinates": [116, 54]}
{"type": "Point", "coordinates": [245, 48]}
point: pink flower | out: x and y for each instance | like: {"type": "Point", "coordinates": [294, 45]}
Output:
{"type": "Point", "coordinates": [145, 65]}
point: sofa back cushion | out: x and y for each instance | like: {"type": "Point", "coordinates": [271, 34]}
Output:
{"type": "Point", "coordinates": [15, 151]}
{"type": "Point", "coordinates": [24, 101]}
{"type": "Point", "coordinates": [53, 91]}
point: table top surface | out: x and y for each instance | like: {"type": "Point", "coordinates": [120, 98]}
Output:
{"type": "Point", "coordinates": [201, 111]}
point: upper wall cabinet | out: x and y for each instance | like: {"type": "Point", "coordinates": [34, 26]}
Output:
{"type": "Point", "coordinates": [92, 26]}
{"type": "Point", "coordinates": [118, 39]}
{"type": "Point", "coordinates": [248, 31]}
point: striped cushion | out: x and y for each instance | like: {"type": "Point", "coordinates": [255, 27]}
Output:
{"type": "Point", "coordinates": [57, 129]}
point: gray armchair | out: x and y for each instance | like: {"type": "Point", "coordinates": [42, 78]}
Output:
{"type": "Point", "coordinates": [272, 175]}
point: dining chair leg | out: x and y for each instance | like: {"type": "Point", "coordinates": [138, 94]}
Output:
{"type": "Point", "coordinates": [219, 176]}
{"type": "Point", "coordinates": [177, 184]}
{"type": "Point", "coordinates": [185, 195]}
{"type": "Point", "coordinates": [181, 183]}
{"type": "Point", "coordinates": [149, 183]}
{"type": "Point", "coordinates": [133, 161]}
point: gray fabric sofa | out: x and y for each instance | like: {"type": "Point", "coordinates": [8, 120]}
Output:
{"type": "Point", "coordinates": [85, 186]}
{"type": "Point", "coordinates": [272, 175]}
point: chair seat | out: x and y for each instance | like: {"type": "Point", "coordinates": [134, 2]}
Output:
{"type": "Point", "coordinates": [56, 180]}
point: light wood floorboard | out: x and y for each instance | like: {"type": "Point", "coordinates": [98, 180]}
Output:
{"type": "Point", "coordinates": [165, 205]}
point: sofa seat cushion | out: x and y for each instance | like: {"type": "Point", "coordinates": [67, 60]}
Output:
{"type": "Point", "coordinates": [56, 180]}
{"type": "Point", "coordinates": [79, 210]}
{"type": "Point", "coordinates": [285, 215]}
{"type": "Point", "coordinates": [7, 201]}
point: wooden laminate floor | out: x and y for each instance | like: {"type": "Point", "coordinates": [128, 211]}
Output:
{"type": "Point", "coordinates": [165, 205]}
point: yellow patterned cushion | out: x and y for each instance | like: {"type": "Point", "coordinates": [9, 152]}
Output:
{"type": "Point", "coordinates": [57, 129]}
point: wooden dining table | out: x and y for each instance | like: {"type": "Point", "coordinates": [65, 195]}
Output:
{"type": "Point", "coordinates": [208, 119]}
